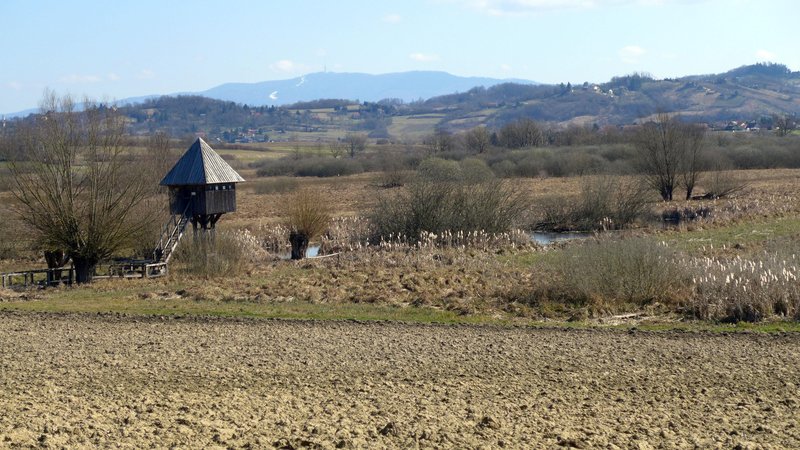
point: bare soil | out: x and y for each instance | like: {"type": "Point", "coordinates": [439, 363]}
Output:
{"type": "Point", "coordinates": [72, 380]}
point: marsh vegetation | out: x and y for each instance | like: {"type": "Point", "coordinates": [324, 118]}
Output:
{"type": "Point", "coordinates": [445, 223]}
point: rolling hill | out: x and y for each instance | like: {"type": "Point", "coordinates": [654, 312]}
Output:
{"type": "Point", "coordinates": [326, 105]}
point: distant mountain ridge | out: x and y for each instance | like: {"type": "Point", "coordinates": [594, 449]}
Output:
{"type": "Point", "coordinates": [406, 86]}
{"type": "Point", "coordinates": [331, 102]}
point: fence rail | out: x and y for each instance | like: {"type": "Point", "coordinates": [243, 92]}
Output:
{"type": "Point", "coordinates": [66, 275]}
{"type": "Point", "coordinates": [137, 269]}
{"type": "Point", "coordinates": [38, 277]}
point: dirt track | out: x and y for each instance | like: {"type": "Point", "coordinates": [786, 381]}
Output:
{"type": "Point", "coordinates": [78, 380]}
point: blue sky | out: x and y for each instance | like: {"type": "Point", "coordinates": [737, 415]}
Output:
{"type": "Point", "coordinates": [117, 49]}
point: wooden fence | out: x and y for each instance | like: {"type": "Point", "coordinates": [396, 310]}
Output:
{"type": "Point", "coordinates": [38, 277]}
{"type": "Point", "coordinates": [66, 275]}
{"type": "Point", "coordinates": [137, 269]}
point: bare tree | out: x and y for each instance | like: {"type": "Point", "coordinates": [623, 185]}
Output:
{"type": "Point", "coordinates": [160, 156]}
{"type": "Point", "coordinates": [356, 143]}
{"type": "Point", "coordinates": [692, 139]}
{"type": "Point", "coordinates": [78, 187]}
{"type": "Point", "coordinates": [669, 154]}
{"type": "Point", "coordinates": [440, 141]}
{"type": "Point", "coordinates": [520, 134]}
{"type": "Point", "coordinates": [478, 139]}
{"type": "Point", "coordinates": [784, 124]}
{"type": "Point", "coordinates": [297, 149]}
{"type": "Point", "coordinates": [337, 148]}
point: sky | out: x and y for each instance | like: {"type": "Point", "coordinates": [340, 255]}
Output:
{"type": "Point", "coordinates": [111, 50]}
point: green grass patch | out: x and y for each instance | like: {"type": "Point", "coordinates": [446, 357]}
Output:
{"type": "Point", "coordinates": [751, 234]}
{"type": "Point", "coordinates": [129, 301]}
{"type": "Point", "coordinates": [125, 301]}
{"type": "Point", "coordinates": [761, 327]}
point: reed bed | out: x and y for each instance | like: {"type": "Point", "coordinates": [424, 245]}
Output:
{"type": "Point", "coordinates": [749, 290]}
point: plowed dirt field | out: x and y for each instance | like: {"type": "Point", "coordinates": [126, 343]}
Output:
{"type": "Point", "coordinates": [73, 380]}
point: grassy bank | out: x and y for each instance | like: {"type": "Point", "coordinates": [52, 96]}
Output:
{"type": "Point", "coordinates": [136, 299]}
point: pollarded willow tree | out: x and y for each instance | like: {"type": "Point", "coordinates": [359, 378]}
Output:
{"type": "Point", "coordinates": [77, 183]}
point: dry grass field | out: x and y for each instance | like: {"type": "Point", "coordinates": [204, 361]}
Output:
{"type": "Point", "coordinates": [431, 347]}
{"type": "Point", "coordinates": [505, 280]}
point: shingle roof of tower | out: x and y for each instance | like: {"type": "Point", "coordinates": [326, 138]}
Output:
{"type": "Point", "coordinates": [200, 165]}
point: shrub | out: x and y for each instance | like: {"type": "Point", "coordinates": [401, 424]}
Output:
{"type": "Point", "coordinates": [441, 199]}
{"type": "Point", "coordinates": [327, 167]}
{"type": "Point", "coordinates": [394, 178]}
{"type": "Point", "coordinates": [677, 215]}
{"type": "Point", "coordinates": [307, 217]}
{"type": "Point", "coordinates": [722, 184]}
{"type": "Point", "coordinates": [604, 203]}
{"type": "Point", "coordinates": [218, 254]}
{"type": "Point", "coordinates": [438, 169]}
{"type": "Point", "coordinates": [308, 167]}
{"type": "Point", "coordinates": [278, 185]}
{"type": "Point", "coordinates": [504, 168]}
{"type": "Point", "coordinates": [619, 273]}
{"type": "Point", "coordinates": [474, 170]}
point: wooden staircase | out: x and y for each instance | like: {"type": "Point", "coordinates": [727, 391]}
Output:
{"type": "Point", "coordinates": [171, 234]}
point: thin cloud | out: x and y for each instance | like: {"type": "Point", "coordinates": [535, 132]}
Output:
{"type": "Point", "coordinates": [113, 77]}
{"type": "Point", "coordinates": [526, 7]}
{"type": "Point", "coordinates": [393, 18]}
{"type": "Point", "coordinates": [424, 57]}
{"type": "Point", "coordinates": [146, 74]}
{"type": "Point", "coordinates": [505, 67]}
{"type": "Point", "coordinates": [630, 54]}
{"type": "Point", "coordinates": [15, 85]}
{"type": "Point", "coordinates": [76, 78]}
{"type": "Point", "coordinates": [766, 55]}
{"type": "Point", "coordinates": [287, 66]}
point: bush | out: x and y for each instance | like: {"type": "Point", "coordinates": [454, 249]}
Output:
{"type": "Point", "coordinates": [308, 167]}
{"type": "Point", "coordinates": [328, 167]}
{"type": "Point", "coordinates": [504, 168]}
{"type": "Point", "coordinates": [474, 170]}
{"type": "Point", "coordinates": [307, 217]}
{"type": "Point", "coordinates": [722, 184]}
{"type": "Point", "coordinates": [278, 185]}
{"type": "Point", "coordinates": [621, 273]}
{"type": "Point", "coordinates": [394, 178]}
{"type": "Point", "coordinates": [218, 254]}
{"type": "Point", "coordinates": [605, 203]}
{"type": "Point", "coordinates": [438, 169]}
{"type": "Point", "coordinates": [441, 198]}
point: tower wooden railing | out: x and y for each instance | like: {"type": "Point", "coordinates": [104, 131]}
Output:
{"type": "Point", "coordinates": [171, 234]}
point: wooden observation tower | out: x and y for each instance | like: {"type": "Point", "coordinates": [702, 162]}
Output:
{"type": "Point", "coordinates": [202, 187]}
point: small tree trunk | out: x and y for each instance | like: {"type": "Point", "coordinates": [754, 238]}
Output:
{"type": "Point", "coordinates": [84, 269]}
{"type": "Point", "coordinates": [55, 259]}
{"type": "Point", "coordinates": [299, 243]}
